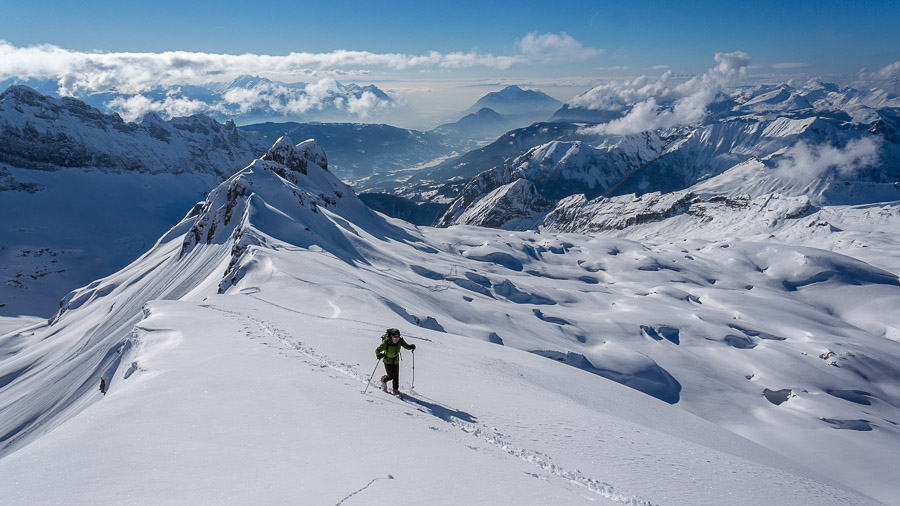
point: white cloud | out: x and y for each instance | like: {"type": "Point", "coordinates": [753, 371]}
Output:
{"type": "Point", "coordinates": [730, 64]}
{"type": "Point", "coordinates": [135, 107]}
{"type": "Point", "coordinates": [619, 95]}
{"type": "Point", "coordinates": [133, 73]}
{"type": "Point", "coordinates": [887, 79]}
{"type": "Point", "coordinates": [365, 104]}
{"type": "Point", "coordinates": [790, 65]}
{"type": "Point", "coordinates": [326, 94]}
{"type": "Point", "coordinates": [806, 163]}
{"type": "Point", "coordinates": [890, 71]}
{"type": "Point", "coordinates": [466, 60]}
{"type": "Point", "coordinates": [554, 48]}
{"type": "Point", "coordinates": [660, 103]}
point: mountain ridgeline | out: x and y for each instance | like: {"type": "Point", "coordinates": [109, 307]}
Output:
{"type": "Point", "coordinates": [850, 138]}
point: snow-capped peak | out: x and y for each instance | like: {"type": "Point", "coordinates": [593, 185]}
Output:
{"type": "Point", "coordinates": [284, 153]}
{"type": "Point", "coordinates": [511, 91]}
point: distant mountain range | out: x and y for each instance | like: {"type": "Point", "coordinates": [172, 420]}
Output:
{"type": "Point", "coordinates": [245, 99]}
{"type": "Point", "coordinates": [860, 131]}
{"type": "Point", "coordinates": [564, 175]}
{"type": "Point", "coordinates": [499, 112]}
{"type": "Point", "coordinates": [367, 155]}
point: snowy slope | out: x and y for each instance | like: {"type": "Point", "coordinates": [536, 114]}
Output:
{"type": "Point", "coordinates": [233, 354]}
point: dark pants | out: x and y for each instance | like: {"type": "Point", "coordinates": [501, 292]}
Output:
{"type": "Point", "coordinates": [393, 373]}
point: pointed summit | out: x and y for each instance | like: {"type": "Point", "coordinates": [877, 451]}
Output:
{"type": "Point", "coordinates": [511, 91]}
{"type": "Point", "coordinates": [284, 153]}
{"type": "Point", "coordinates": [296, 158]}
{"type": "Point", "coordinates": [247, 81]}
{"type": "Point", "coordinates": [310, 150]}
{"type": "Point", "coordinates": [513, 100]}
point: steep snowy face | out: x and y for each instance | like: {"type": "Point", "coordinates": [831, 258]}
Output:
{"type": "Point", "coordinates": [267, 204]}
{"type": "Point", "coordinates": [772, 99]}
{"type": "Point", "coordinates": [750, 199]}
{"type": "Point", "coordinates": [287, 196]}
{"type": "Point", "coordinates": [562, 168]}
{"type": "Point", "coordinates": [515, 205]}
{"type": "Point", "coordinates": [83, 193]}
{"type": "Point", "coordinates": [554, 170]}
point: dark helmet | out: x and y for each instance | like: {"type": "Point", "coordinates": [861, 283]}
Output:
{"type": "Point", "coordinates": [393, 332]}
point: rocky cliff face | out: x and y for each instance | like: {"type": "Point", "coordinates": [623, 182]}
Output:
{"type": "Point", "coordinates": [45, 133]}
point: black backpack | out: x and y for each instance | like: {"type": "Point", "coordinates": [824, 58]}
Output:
{"type": "Point", "coordinates": [386, 340]}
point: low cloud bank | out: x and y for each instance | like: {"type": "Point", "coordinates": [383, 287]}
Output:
{"type": "Point", "coordinates": [806, 162]}
{"type": "Point", "coordinates": [135, 73]}
{"type": "Point", "coordinates": [660, 103]}
{"type": "Point", "coordinates": [266, 96]}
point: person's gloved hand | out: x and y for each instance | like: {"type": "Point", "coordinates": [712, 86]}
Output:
{"type": "Point", "coordinates": [412, 347]}
{"type": "Point", "coordinates": [379, 356]}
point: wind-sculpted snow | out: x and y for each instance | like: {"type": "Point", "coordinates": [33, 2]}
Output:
{"type": "Point", "coordinates": [263, 307]}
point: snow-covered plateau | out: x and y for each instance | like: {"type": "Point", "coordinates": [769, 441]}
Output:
{"type": "Point", "coordinates": [227, 364]}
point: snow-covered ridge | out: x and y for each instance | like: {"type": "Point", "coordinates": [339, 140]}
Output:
{"type": "Point", "coordinates": [777, 343]}
{"type": "Point", "coordinates": [94, 323]}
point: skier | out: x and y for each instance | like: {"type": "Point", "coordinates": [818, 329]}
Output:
{"type": "Point", "coordinates": [389, 350]}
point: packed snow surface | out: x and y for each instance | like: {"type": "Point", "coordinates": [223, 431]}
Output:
{"type": "Point", "coordinates": [550, 368]}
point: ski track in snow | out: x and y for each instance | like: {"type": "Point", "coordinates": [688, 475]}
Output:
{"type": "Point", "coordinates": [492, 436]}
{"type": "Point", "coordinates": [388, 477]}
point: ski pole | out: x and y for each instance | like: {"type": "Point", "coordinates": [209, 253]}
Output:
{"type": "Point", "coordinates": [413, 385]}
{"type": "Point", "coordinates": [373, 375]}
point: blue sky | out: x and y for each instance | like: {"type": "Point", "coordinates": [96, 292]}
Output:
{"type": "Point", "coordinates": [562, 46]}
{"type": "Point", "coordinates": [829, 36]}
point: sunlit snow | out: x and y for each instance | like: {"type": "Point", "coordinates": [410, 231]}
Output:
{"type": "Point", "coordinates": [550, 368]}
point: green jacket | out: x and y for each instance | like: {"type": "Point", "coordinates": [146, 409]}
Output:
{"type": "Point", "coordinates": [391, 351]}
